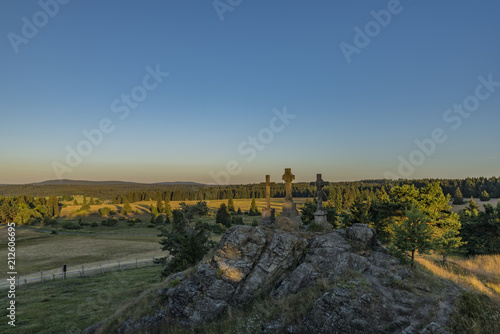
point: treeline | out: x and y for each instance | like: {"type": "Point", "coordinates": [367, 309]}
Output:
{"type": "Point", "coordinates": [347, 191]}
{"type": "Point", "coordinates": [27, 209]}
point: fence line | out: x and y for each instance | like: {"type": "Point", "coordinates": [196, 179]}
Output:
{"type": "Point", "coordinates": [108, 267]}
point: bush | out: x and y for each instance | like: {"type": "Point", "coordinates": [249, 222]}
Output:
{"type": "Point", "coordinates": [255, 223]}
{"type": "Point", "coordinates": [237, 221]}
{"type": "Point", "coordinates": [106, 211]}
{"type": "Point", "coordinates": [151, 225]}
{"type": "Point", "coordinates": [71, 226]}
{"type": "Point", "coordinates": [109, 222]}
{"type": "Point", "coordinates": [94, 224]}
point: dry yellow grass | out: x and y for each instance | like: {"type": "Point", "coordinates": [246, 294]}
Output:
{"type": "Point", "coordinates": [480, 274]}
{"type": "Point", "coordinates": [70, 210]}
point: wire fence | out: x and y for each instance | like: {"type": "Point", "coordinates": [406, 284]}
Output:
{"type": "Point", "coordinates": [52, 275]}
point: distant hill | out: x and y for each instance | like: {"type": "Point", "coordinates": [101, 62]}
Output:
{"type": "Point", "coordinates": [87, 183]}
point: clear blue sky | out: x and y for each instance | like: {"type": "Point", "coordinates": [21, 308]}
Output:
{"type": "Point", "coordinates": [353, 120]}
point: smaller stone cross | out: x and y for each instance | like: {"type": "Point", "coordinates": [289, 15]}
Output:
{"type": "Point", "coordinates": [319, 190]}
{"type": "Point", "coordinates": [268, 185]}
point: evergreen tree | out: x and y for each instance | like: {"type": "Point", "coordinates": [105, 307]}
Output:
{"type": "Point", "coordinates": [360, 211]}
{"type": "Point", "coordinates": [126, 209]}
{"type": "Point", "coordinates": [187, 246]}
{"type": "Point", "coordinates": [153, 210]}
{"type": "Point", "coordinates": [91, 202]}
{"type": "Point", "coordinates": [254, 211]}
{"type": "Point", "coordinates": [159, 206]}
{"type": "Point", "coordinates": [223, 216]}
{"type": "Point", "coordinates": [84, 200]}
{"type": "Point", "coordinates": [75, 202]}
{"type": "Point", "coordinates": [54, 204]}
{"type": "Point", "coordinates": [230, 205]}
{"type": "Point", "coordinates": [168, 210]}
{"type": "Point", "coordinates": [484, 197]}
{"type": "Point", "coordinates": [179, 223]}
{"type": "Point", "coordinates": [413, 233]}
{"type": "Point", "coordinates": [458, 198]}
{"type": "Point", "coordinates": [239, 211]}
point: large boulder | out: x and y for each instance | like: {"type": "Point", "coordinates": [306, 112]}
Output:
{"type": "Point", "coordinates": [365, 291]}
{"type": "Point", "coordinates": [362, 236]}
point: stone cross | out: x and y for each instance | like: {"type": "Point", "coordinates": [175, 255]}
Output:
{"type": "Point", "coordinates": [288, 177]}
{"type": "Point", "coordinates": [268, 185]}
{"type": "Point", "coordinates": [319, 188]}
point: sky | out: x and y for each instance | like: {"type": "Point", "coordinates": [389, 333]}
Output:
{"type": "Point", "coordinates": [229, 91]}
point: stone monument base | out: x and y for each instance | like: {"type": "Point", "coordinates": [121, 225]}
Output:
{"type": "Point", "coordinates": [289, 210]}
{"type": "Point", "coordinates": [267, 217]}
{"type": "Point", "coordinates": [321, 219]}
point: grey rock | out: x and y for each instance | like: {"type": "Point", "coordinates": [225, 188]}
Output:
{"type": "Point", "coordinates": [433, 328]}
{"type": "Point", "coordinates": [362, 236]}
{"type": "Point", "coordinates": [367, 292]}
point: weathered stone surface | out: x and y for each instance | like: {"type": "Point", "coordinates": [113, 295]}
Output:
{"type": "Point", "coordinates": [288, 224]}
{"type": "Point", "coordinates": [433, 328]}
{"type": "Point", "coordinates": [367, 292]}
{"type": "Point", "coordinates": [362, 236]}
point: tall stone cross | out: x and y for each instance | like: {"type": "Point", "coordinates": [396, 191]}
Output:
{"type": "Point", "coordinates": [268, 185]}
{"type": "Point", "coordinates": [319, 188]}
{"type": "Point", "coordinates": [288, 177]}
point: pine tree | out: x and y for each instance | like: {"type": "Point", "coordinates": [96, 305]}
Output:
{"type": "Point", "coordinates": [75, 202]}
{"type": "Point", "coordinates": [413, 233]}
{"type": "Point", "coordinates": [126, 209]}
{"type": "Point", "coordinates": [84, 200]}
{"type": "Point", "coordinates": [458, 198]}
{"type": "Point", "coordinates": [54, 203]}
{"type": "Point", "coordinates": [223, 216]}
{"type": "Point", "coordinates": [230, 205]}
{"type": "Point", "coordinates": [159, 206]}
{"type": "Point", "coordinates": [254, 211]}
{"type": "Point", "coordinates": [484, 197]}
{"type": "Point", "coordinates": [91, 202]}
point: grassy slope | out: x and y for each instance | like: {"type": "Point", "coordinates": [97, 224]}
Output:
{"type": "Point", "coordinates": [75, 304]}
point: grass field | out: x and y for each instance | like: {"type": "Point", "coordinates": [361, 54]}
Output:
{"type": "Point", "coordinates": [72, 305]}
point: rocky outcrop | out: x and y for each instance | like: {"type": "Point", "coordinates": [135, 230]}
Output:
{"type": "Point", "coordinates": [368, 290]}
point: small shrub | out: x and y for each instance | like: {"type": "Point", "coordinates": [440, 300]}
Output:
{"type": "Point", "coordinates": [71, 226]}
{"type": "Point", "coordinates": [94, 224]}
{"type": "Point", "coordinates": [255, 223]}
{"type": "Point", "coordinates": [109, 222]}
{"type": "Point", "coordinates": [131, 223]}
{"type": "Point", "coordinates": [151, 225]}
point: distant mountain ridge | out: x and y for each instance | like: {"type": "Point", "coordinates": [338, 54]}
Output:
{"type": "Point", "coordinates": [86, 182]}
